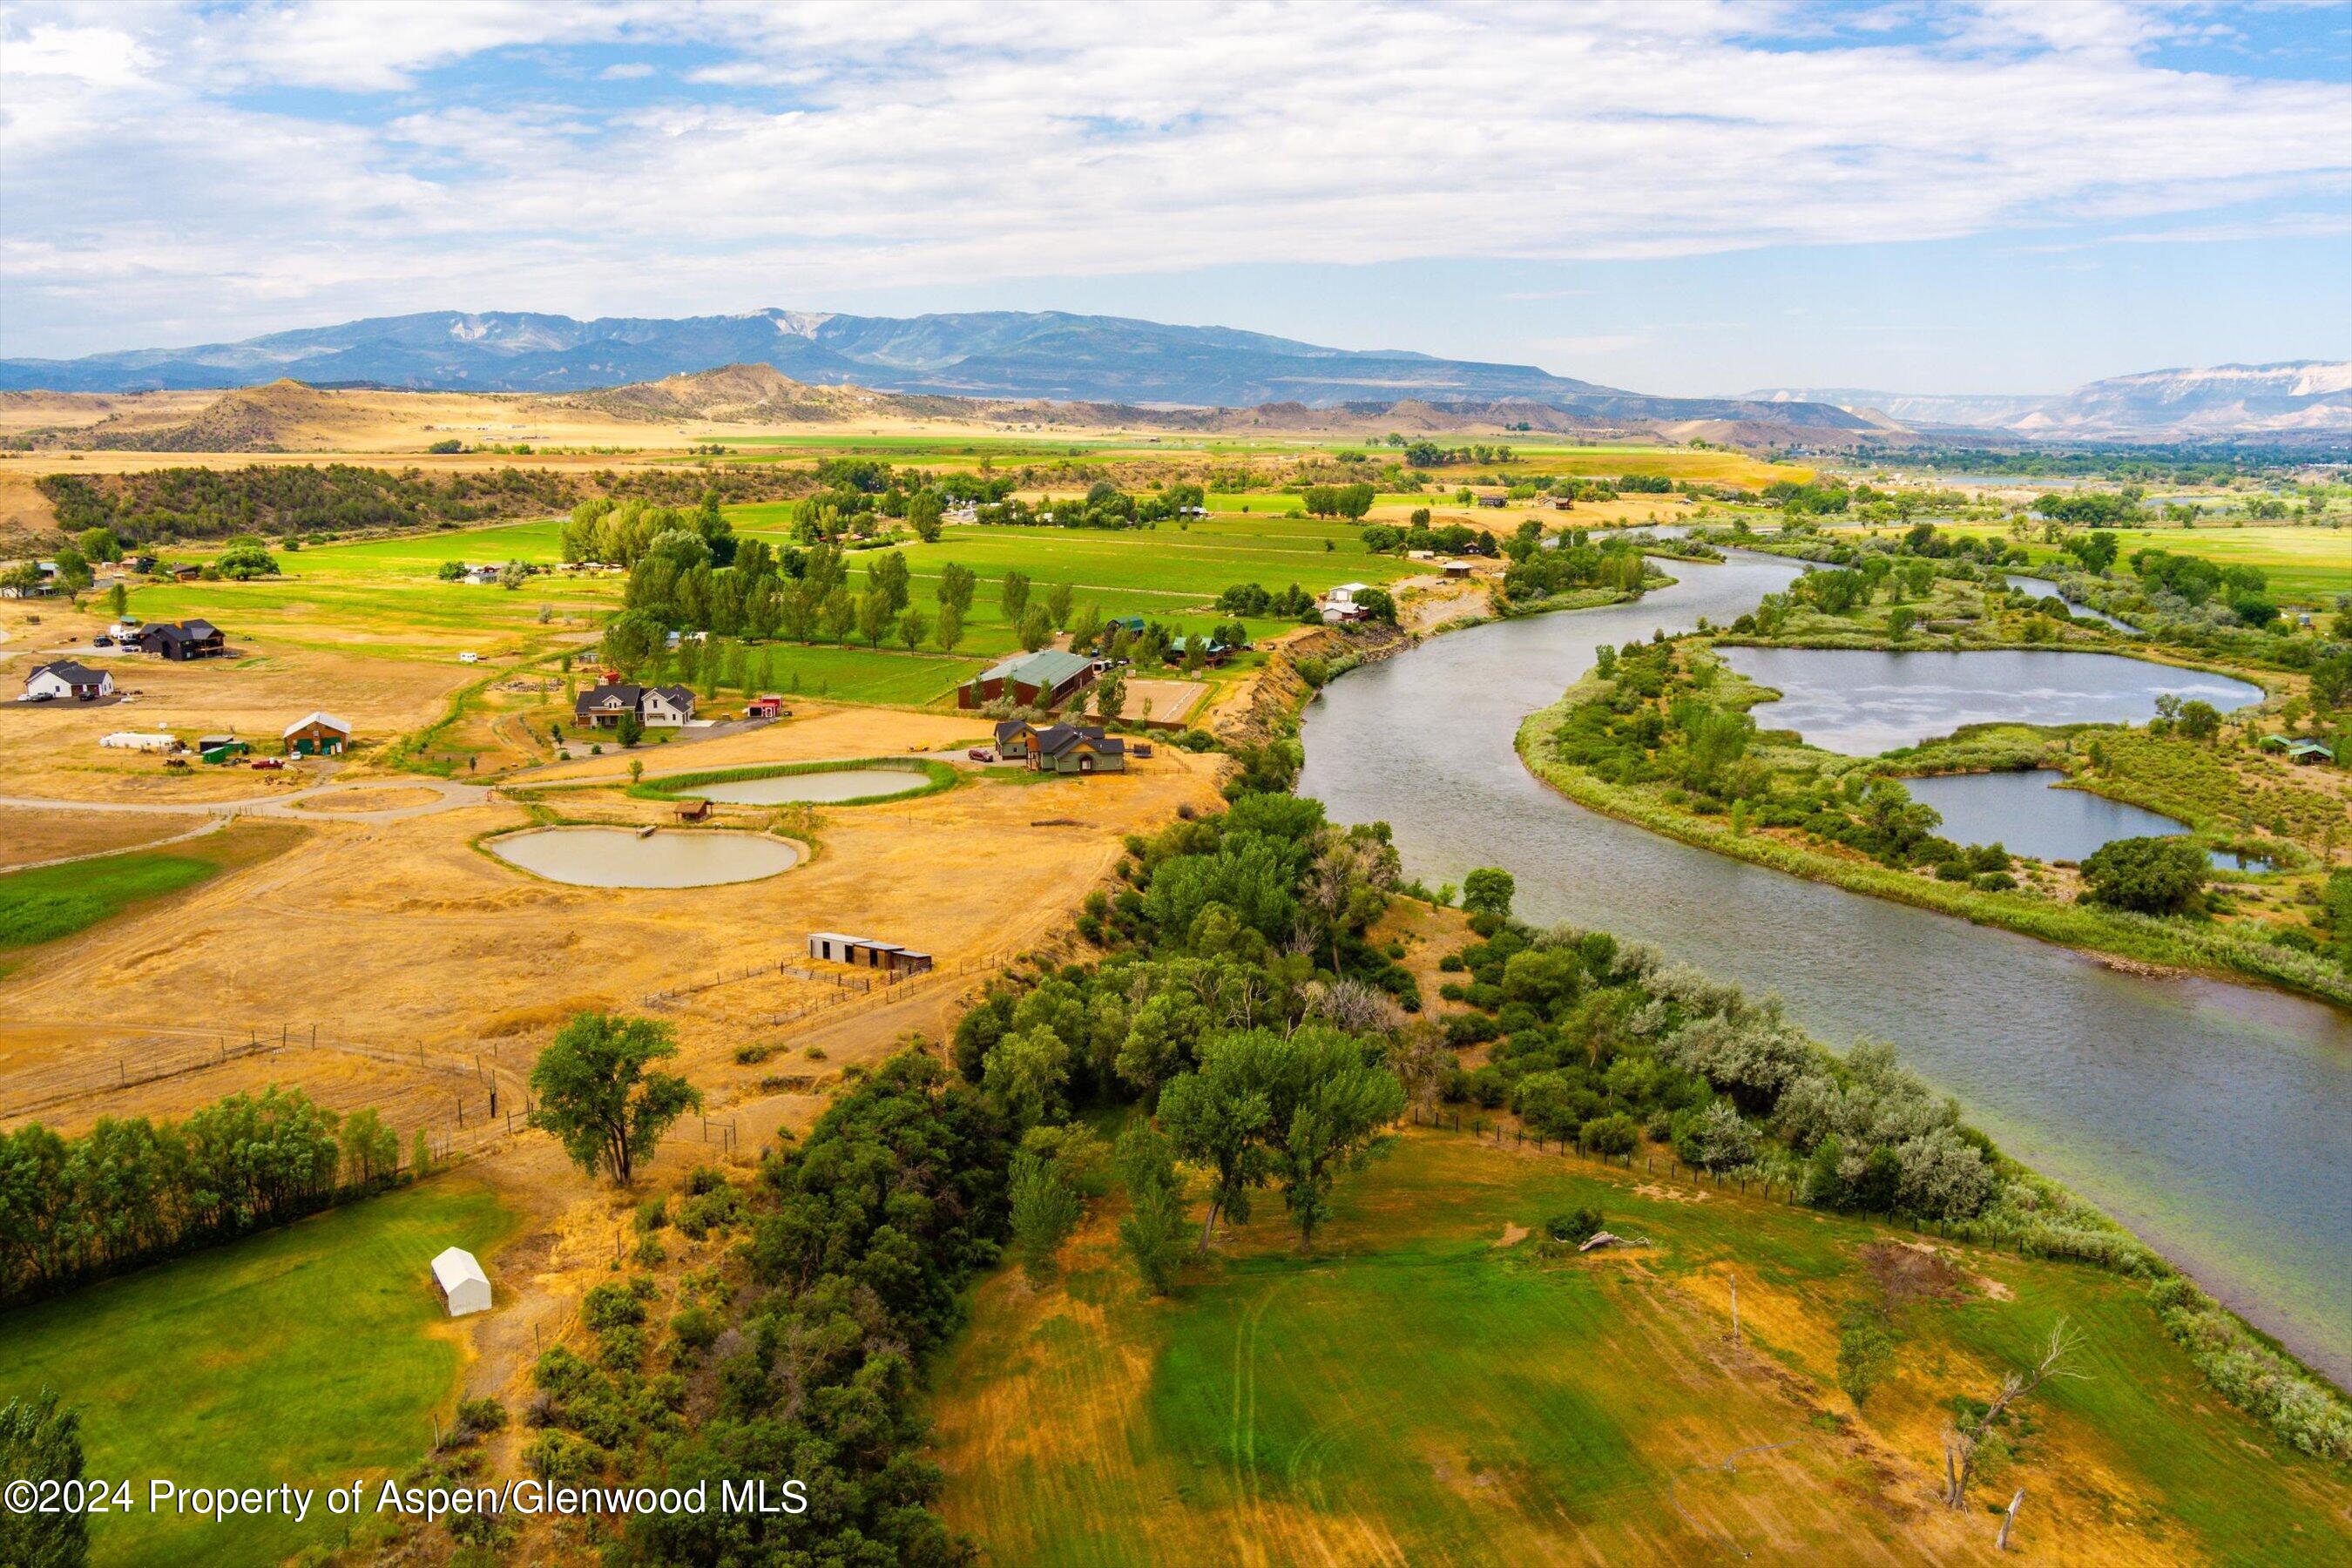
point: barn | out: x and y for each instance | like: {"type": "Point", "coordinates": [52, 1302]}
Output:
{"type": "Point", "coordinates": [464, 1287]}
{"type": "Point", "coordinates": [317, 735]}
{"type": "Point", "coordinates": [1042, 680]}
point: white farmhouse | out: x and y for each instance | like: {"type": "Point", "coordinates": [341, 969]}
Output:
{"type": "Point", "coordinates": [63, 680]}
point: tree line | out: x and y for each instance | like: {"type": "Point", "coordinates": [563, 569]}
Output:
{"type": "Point", "coordinates": [130, 1191]}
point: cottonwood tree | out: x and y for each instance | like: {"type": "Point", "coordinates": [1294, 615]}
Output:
{"type": "Point", "coordinates": [950, 630]}
{"type": "Point", "coordinates": [956, 584]}
{"type": "Point", "coordinates": [1110, 696]}
{"type": "Point", "coordinates": [1488, 890]}
{"type": "Point", "coordinates": [1013, 595]}
{"type": "Point", "coordinates": [1965, 1438]}
{"type": "Point", "coordinates": [1338, 1106]}
{"type": "Point", "coordinates": [599, 1096]}
{"type": "Point", "coordinates": [1215, 1115]}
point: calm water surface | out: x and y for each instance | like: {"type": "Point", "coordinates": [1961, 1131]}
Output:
{"type": "Point", "coordinates": [1860, 701]}
{"type": "Point", "coordinates": [2043, 588]}
{"type": "Point", "coordinates": [850, 784]}
{"type": "Point", "coordinates": [2215, 1119]}
{"type": "Point", "coordinates": [2032, 814]}
{"type": "Point", "coordinates": [2027, 813]}
{"type": "Point", "coordinates": [617, 857]}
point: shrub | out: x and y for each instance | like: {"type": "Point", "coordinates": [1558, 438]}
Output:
{"type": "Point", "coordinates": [696, 1328]}
{"type": "Point", "coordinates": [1576, 1227]}
{"type": "Point", "coordinates": [2148, 876]}
{"type": "Point", "coordinates": [1614, 1135]}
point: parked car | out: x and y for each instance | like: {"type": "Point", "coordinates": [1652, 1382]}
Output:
{"type": "Point", "coordinates": [981, 755]}
{"type": "Point", "coordinates": [101, 641]}
{"type": "Point", "coordinates": [269, 765]}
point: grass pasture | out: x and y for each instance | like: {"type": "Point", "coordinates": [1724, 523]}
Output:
{"type": "Point", "coordinates": [1423, 1390]}
{"type": "Point", "coordinates": [2308, 566]}
{"type": "Point", "coordinates": [54, 901]}
{"type": "Point", "coordinates": [312, 1355]}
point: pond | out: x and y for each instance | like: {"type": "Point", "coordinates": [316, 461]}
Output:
{"type": "Point", "coordinates": [2214, 1118]}
{"type": "Point", "coordinates": [846, 784]}
{"type": "Point", "coordinates": [1860, 702]}
{"type": "Point", "coordinates": [2043, 588]}
{"type": "Point", "coordinates": [2028, 814]}
{"type": "Point", "coordinates": [619, 857]}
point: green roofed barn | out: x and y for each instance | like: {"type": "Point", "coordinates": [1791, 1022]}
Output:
{"type": "Point", "coordinates": [1042, 680]}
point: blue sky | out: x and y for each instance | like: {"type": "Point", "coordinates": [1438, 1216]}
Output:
{"type": "Point", "coordinates": [1701, 197]}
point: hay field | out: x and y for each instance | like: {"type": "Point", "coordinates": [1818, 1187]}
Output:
{"type": "Point", "coordinates": [1425, 1390]}
{"type": "Point", "coordinates": [2309, 564]}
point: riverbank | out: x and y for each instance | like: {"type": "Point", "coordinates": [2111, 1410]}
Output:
{"type": "Point", "coordinates": [2134, 942]}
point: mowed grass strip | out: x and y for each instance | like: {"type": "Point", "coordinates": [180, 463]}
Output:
{"type": "Point", "coordinates": [309, 1355]}
{"type": "Point", "coordinates": [56, 901]}
{"type": "Point", "coordinates": [1414, 1392]}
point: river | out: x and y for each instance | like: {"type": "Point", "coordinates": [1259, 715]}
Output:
{"type": "Point", "coordinates": [2214, 1119]}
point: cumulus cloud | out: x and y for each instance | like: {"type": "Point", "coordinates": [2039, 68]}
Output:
{"type": "Point", "coordinates": [183, 168]}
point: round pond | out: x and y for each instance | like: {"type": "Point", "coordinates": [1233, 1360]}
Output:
{"type": "Point", "coordinates": [1860, 702]}
{"type": "Point", "coordinates": [846, 784]}
{"type": "Point", "coordinates": [619, 857]}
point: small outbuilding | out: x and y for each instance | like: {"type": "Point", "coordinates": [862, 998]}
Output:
{"type": "Point", "coordinates": [463, 1284]}
{"type": "Point", "coordinates": [864, 953]}
{"type": "Point", "coordinates": [319, 735]}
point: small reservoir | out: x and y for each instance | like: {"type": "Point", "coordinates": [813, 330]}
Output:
{"type": "Point", "coordinates": [621, 857]}
{"type": "Point", "coordinates": [1860, 702]}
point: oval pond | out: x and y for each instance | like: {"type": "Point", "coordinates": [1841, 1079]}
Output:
{"type": "Point", "coordinates": [618, 857]}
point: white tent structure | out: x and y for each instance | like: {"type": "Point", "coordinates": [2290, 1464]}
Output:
{"type": "Point", "coordinates": [463, 1284]}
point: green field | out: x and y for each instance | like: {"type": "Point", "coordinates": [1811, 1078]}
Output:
{"type": "Point", "coordinates": [380, 598]}
{"type": "Point", "coordinates": [2306, 565]}
{"type": "Point", "coordinates": [1416, 1393]}
{"type": "Point", "coordinates": [55, 902]}
{"type": "Point", "coordinates": [306, 1355]}
{"type": "Point", "coordinates": [1168, 574]}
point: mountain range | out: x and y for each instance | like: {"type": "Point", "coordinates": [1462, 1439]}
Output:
{"type": "Point", "coordinates": [991, 354]}
{"type": "Point", "coordinates": [2297, 397]}
{"type": "Point", "coordinates": [1053, 357]}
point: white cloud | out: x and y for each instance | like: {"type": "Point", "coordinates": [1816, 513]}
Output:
{"type": "Point", "coordinates": [829, 147]}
